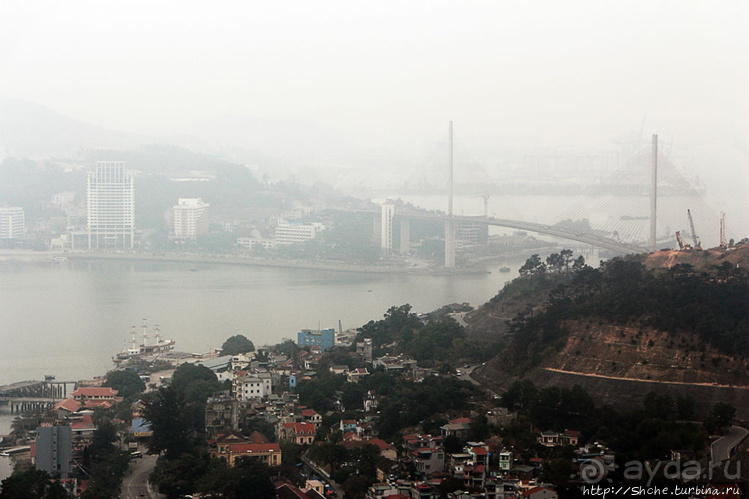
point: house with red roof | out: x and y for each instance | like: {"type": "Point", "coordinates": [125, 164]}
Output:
{"type": "Point", "coordinates": [540, 493]}
{"type": "Point", "coordinates": [94, 393]}
{"type": "Point", "coordinates": [299, 433]}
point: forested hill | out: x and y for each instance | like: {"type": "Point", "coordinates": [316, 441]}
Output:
{"type": "Point", "coordinates": [628, 319]}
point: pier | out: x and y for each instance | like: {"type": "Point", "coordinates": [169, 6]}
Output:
{"type": "Point", "coordinates": [34, 396]}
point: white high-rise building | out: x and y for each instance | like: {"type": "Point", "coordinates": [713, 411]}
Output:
{"type": "Point", "coordinates": [111, 206]}
{"type": "Point", "coordinates": [190, 218]}
{"type": "Point", "coordinates": [12, 223]}
{"type": "Point", "coordinates": [388, 213]}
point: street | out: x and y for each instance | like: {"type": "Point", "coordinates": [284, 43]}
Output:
{"type": "Point", "coordinates": [135, 484]}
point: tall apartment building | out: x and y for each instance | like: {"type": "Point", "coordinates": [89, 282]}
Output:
{"type": "Point", "coordinates": [388, 213]}
{"type": "Point", "coordinates": [296, 232]}
{"type": "Point", "coordinates": [190, 218]}
{"type": "Point", "coordinates": [111, 206]}
{"type": "Point", "coordinates": [12, 223]}
{"type": "Point", "coordinates": [54, 450]}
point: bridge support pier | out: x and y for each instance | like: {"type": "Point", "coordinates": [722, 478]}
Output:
{"type": "Point", "coordinates": [449, 244]}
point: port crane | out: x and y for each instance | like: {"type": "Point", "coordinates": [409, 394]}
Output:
{"type": "Point", "coordinates": [697, 244]}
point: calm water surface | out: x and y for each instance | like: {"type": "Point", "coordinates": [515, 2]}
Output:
{"type": "Point", "coordinates": [69, 319]}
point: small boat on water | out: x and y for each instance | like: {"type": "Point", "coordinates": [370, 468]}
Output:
{"type": "Point", "coordinates": [504, 269]}
{"type": "Point", "coordinates": [159, 345]}
{"type": "Point", "coordinates": [59, 259]}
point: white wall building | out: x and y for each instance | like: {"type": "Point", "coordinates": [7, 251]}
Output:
{"type": "Point", "coordinates": [110, 200]}
{"type": "Point", "coordinates": [252, 243]}
{"type": "Point", "coordinates": [388, 213]}
{"type": "Point", "coordinates": [12, 223]}
{"type": "Point", "coordinates": [190, 218]}
{"type": "Point", "coordinates": [250, 388]}
{"type": "Point", "coordinates": [296, 232]}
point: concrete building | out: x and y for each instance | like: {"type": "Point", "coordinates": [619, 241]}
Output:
{"type": "Point", "coordinates": [190, 218]}
{"type": "Point", "coordinates": [251, 243]}
{"type": "Point", "coordinates": [249, 388]}
{"type": "Point", "coordinates": [324, 339]}
{"type": "Point", "coordinates": [54, 450]}
{"type": "Point", "coordinates": [110, 202]}
{"type": "Point", "coordinates": [296, 232]}
{"type": "Point", "coordinates": [12, 223]}
{"type": "Point", "coordinates": [388, 213]}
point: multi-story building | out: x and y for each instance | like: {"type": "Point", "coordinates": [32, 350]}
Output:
{"type": "Point", "coordinates": [110, 202]}
{"type": "Point", "coordinates": [190, 218]}
{"type": "Point", "coordinates": [324, 338]}
{"type": "Point", "coordinates": [12, 224]}
{"type": "Point", "coordinates": [54, 450]}
{"type": "Point", "coordinates": [249, 387]}
{"type": "Point", "coordinates": [296, 232]}
{"type": "Point", "coordinates": [388, 213]}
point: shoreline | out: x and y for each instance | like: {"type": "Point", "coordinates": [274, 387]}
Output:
{"type": "Point", "coordinates": [47, 256]}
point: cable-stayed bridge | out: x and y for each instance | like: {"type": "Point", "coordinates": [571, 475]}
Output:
{"type": "Point", "coordinates": [638, 208]}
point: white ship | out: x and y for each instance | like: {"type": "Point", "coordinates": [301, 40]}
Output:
{"type": "Point", "coordinates": [144, 349]}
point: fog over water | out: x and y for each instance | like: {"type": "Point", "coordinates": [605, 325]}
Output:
{"type": "Point", "coordinates": [69, 319]}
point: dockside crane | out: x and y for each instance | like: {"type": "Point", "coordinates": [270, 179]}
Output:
{"type": "Point", "coordinates": [697, 244]}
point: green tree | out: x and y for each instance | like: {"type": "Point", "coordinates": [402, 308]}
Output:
{"type": "Point", "coordinates": [126, 382]}
{"type": "Point", "coordinates": [171, 424]}
{"type": "Point", "coordinates": [237, 344]}
{"type": "Point", "coordinates": [247, 478]}
{"type": "Point", "coordinates": [31, 484]}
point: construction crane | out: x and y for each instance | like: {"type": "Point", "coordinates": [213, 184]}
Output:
{"type": "Point", "coordinates": [697, 244]}
{"type": "Point", "coordinates": [682, 245]}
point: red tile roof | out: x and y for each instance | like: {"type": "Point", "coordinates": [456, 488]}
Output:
{"type": "Point", "coordinates": [104, 391]}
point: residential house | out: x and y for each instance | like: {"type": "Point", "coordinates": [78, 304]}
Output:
{"type": "Point", "coordinates": [311, 416]}
{"type": "Point", "coordinates": [299, 433]}
{"type": "Point", "coordinates": [250, 387]}
{"type": "Point", "coordinates": [540, 493]}
{"type": "Point", "coordinates": [460, 427]}
{"type": "Point", "coordinates": [428, 461]}
{"type": "Point", "coordinates": [354, 375]}
{"type": "Point", "coordinates": [220, 413]}
{"type": "Point", "coordinates": [338, 369]}
{"type": "Point", "coordinates": [505, 460]}
{"type": "Point", "coordinates": [549, 438]}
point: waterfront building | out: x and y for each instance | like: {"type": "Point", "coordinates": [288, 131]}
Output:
{"type": "Point", "coordinates": [324, 338]}
{"type": "Point", "coordinates": [388, 213]}
{"type": "Point", "coordinates": [54, 450]}
{"type": "Point", "coordinates": [472, 233]}
{"type": "Point", "coordinates": [296, 232]}
{"type": "Point", "coordinates": [190, 218]}
{"type": "Point", "coordinates": [12, 223]}
{"type": "Point", "coordinates": [110, 201]}
{"type": "Point", "coordinates": [251, 243]}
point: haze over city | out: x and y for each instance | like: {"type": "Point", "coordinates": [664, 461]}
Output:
{"type": "Point", "coordinates": [347, 85]}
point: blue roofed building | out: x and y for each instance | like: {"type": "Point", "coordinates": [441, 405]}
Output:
{"type": "Point", "coordinates": [324, 338]}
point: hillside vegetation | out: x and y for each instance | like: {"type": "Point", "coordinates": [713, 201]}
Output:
{"type": "Point", "coordinates": [634, 324]}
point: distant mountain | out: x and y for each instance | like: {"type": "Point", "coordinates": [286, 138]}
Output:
{"type": "Point", "coordinates": [34, 131]}
{"type": "Point", "coordinates": [279, 148]}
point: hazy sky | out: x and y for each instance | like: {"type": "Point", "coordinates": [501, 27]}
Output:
{"type": "Point", "coordinates": [575, 72]}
